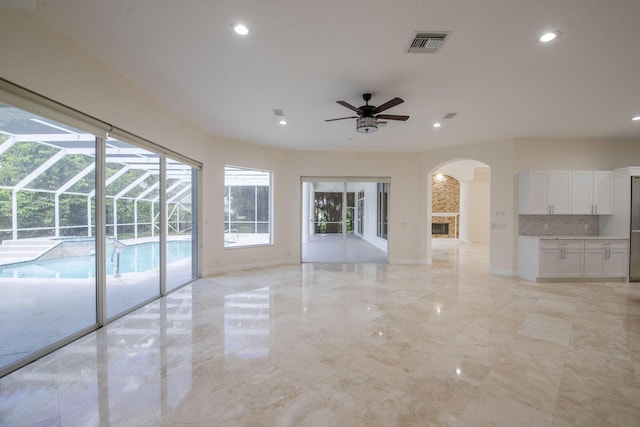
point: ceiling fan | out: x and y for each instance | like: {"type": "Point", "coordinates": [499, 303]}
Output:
{"type": "Point", "coordinates": [368, 115]}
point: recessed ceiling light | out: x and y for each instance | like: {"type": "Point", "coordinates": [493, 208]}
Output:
{"type": "Point", "coordinates": [549, 36]}
{"type": "Point", "coordinates": [636, 119]}
{"type": "Point", "coordinates": [241, 29]}
{"type": "Point", "coordinates": [437, 125]}
{"type": "Point", "coordinates": [283, 122]}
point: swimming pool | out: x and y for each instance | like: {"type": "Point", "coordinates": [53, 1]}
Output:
{"type": "Point", "coordinates": [133, 258]}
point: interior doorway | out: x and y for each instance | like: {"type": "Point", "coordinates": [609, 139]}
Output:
{"type": "Point", "coordinates": [460, 206]}
{"type": "Point", "coordinates": [345, 221]}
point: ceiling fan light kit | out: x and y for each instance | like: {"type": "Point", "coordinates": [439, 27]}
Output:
{"type": "Point", "coordinates": [366, 124]}
{"type": "Point", "coordinates": [367, 118]}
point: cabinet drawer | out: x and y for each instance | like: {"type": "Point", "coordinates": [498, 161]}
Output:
{"type": "Point", "coordinates": [606, 244]}
{"type": "Point", "coordinates": [562, 244]}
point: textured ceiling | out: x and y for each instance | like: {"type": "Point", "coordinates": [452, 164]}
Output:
{"type": "Point", "coordinates": [302, 56]}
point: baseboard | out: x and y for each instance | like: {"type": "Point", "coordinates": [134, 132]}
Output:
{"type": "Point", "coordinates": [500, 272]}
{"type": "Point", "coordinates": [406, 261]}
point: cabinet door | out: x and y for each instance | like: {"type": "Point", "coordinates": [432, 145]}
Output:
{"type": "Point", "coordinates": [559, 192]}
{"type": "Point", "coordinates": [582, 193]}
{"type": "Point", "coordinates": [603, 192]}
{"type": "Point", "coordinates": [549, 263]}
{"type": "Point", "coordinates": [615, 265]}
{"type": "Point", "coordinates": [572, 263]}
{"type": "Point", "coordinates": [594, 262]}
{"type": "Point", "coordinates": [533, 193]}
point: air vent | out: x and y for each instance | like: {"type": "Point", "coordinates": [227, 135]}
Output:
{"type": "Point", "coordinates": [278, 112]}
{"type": "Point", "coordinates": [450, 115]}
{"type": "Point", "coordinates": [428, 42]}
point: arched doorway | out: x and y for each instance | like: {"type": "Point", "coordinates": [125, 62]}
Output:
{"type": "Point", "coordinates": [460, 205]}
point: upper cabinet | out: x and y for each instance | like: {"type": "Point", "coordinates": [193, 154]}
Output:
{"type": "Point", "coordinates": [592, 192]}
{"type": "Point", "coordinates": [545, 192]}
{"type": "Point", "coordinates": [566, 192]}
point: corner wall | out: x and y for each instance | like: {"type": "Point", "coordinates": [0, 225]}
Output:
{"type": "Point", "coordinates": [475, 197]}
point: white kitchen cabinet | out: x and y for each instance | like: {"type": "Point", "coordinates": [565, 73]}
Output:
{"type": "Point", "coordinates": [606, 258]}
{"type": "Point", "coordinates": [561, 259]}
{"type": "Point", "coordinates": [592, 192]}
{"type": "Point", "coordinates": [603, 191]}
{"type": "Point", "coordinates": [576, 258]}
{"type": "Point", "coordinates": [545, 192]}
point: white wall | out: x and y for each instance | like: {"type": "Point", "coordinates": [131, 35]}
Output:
{"type": "Point", "coordinates": [572, 154]}
{"type": "Point", "coordinates": [477, 208]}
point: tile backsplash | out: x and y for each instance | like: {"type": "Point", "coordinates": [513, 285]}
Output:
{"type": "Point", "coordinates": [558, 225]}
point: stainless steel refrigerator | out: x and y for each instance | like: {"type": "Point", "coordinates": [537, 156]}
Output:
{"type": "Point", "coordinates": [634, 244]}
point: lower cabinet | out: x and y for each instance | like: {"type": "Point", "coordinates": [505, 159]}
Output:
{"type": "Point", "coordinates": [606, 258]}
{"type": "Point", "coordinates": [540, 259]}
{"type": "Point", "coordinates": [561, 259]}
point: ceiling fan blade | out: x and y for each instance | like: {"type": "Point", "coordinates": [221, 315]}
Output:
{"type": "Point", "coordinates": [349, 106]}
{"type": "Point", "coordinates": [341, 118]}
{"type": "Point", "coordinates": [391, 117]}
{"type": "Point", "coordinates": [387, 105]}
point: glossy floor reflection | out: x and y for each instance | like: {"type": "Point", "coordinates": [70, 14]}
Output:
{"type": "Point", "coordinates": [351, 345]}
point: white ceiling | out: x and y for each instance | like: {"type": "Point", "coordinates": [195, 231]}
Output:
{"type": "Point", "coordinates": [302, 56]}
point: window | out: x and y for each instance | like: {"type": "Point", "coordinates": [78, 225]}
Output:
{"type": "Point", "coordinates": [247, 207]}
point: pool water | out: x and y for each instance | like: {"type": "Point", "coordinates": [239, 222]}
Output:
{"type": "Point", "coordinates": [133, 258]}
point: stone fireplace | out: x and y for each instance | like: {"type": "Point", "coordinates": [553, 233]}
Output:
{"type": "Point", "coordinates": [445, 207]}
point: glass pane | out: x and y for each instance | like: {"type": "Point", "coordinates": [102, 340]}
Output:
{"type": "Point", "coordinates": [64, 170]}
{"type": "Point", "coordinates": [47, 262]}
{"type": "Point", "coordinates": [133, 258]}
{"type": "Point", "coordinates": [180, 239]}
{"type": "Point", "coordinates": [247, 207]}
{"type": "Point", "coordinates": [22, 158]}
{"type": "Point", "coordinates": [323, 240]}
{"type": "Point", "coordinates": [262, 203]}
{"type": "Point", "coordinates": [243, 203]}
{"type": "Point", "coordinates": [364, 245]}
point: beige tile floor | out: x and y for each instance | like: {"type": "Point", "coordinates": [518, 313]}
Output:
{"type": "Point", "coordinates": [351, 345]}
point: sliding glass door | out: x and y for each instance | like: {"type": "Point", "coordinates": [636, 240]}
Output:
{"type": "Point", "coordinates": [325, 227]}
{"type": "Point", "coordinates": [47, 268]}
{"type": "Point", "coordinates": [340, 221]}
{"type": "Point", "coordinates": [91, 227]}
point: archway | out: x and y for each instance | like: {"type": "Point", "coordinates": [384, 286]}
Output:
{"type": "Point", "coordinates": [459, 204]}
